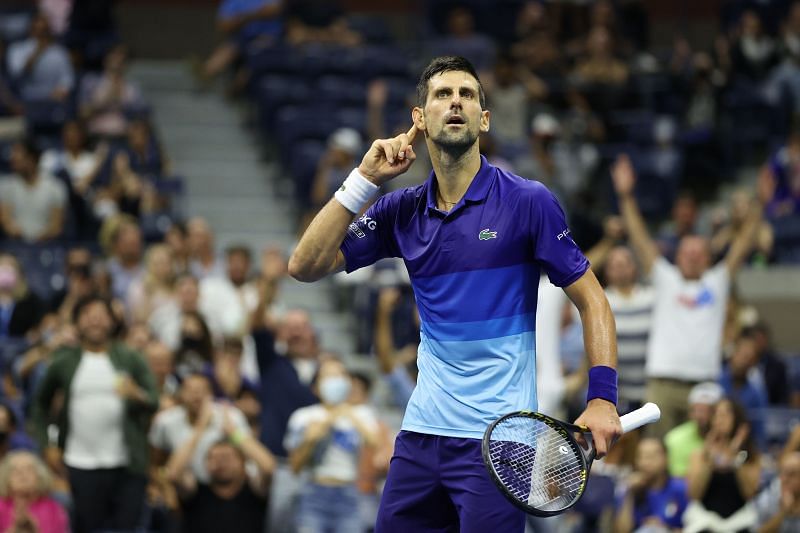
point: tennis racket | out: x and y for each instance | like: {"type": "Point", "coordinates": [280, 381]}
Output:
{"type": "Point", "coordinates": [537, 461]}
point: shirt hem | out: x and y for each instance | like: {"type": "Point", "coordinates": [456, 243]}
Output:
{"type": "Point", "coordinates": [443, 432]}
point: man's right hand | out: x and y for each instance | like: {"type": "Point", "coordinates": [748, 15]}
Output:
{"type": "Point", "coordinates": [388, 158]}
{"type": "Point", "coordinates": [623, 176]}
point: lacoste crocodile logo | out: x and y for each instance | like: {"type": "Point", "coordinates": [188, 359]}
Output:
{"type": "Point", "coordinates": [487, 234]}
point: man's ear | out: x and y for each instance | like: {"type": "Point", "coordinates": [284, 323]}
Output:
{"type": "Point", "coordinates": [418, 117]}
{"type": "Point", "coordinates": [485, 120]}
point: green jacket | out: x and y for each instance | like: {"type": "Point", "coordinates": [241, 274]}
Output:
{"type": "Point", "coordinates": [59, 376]}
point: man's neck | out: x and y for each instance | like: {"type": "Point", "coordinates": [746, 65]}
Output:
{"type": "Point", "coordinates": [625, 290]}
{"type": "Point", "coordinates": [454, 172]}
{"type": "Point", "coordinates": [95, 347]}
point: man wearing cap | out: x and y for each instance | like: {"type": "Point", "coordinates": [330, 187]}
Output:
{"type": "Point", "coordinates": [682, 440]}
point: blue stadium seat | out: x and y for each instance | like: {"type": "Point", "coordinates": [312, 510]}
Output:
{"type": "Point", "coordinates": [342, 90]}
{"type": "Point", "coordinates": [352, 117]}
{"type": "Point", "coordinates": [275, 91]}
{"type": "Point", "coordinates": [787, 239]}
{"type": "Point", "coordinates": [293, 124]}
{"type": "Point", "coordinates": [305, 156]}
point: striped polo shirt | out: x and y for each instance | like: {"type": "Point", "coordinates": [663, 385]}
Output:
{"type": "Point", "coordinates": [475, 274]}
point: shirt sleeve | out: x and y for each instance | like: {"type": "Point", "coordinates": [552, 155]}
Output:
{"type": "Point", "coordinates": [295, 429]}
{"type": "Point", "coordinates": [371, 237]}
{"type": "Point", "coordinates": [553, 247]}
{"type": "Point", "coordinates": [157, 436]}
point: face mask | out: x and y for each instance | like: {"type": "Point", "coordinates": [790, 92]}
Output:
{"type": "Point", "coordinates": [191, 344]}
{"type": "Point", "coordinates": [334, 390]}
{"type": "Point", "coordinates": [8, 278]}
{"type": "Point", "coordinates": [3, 437]}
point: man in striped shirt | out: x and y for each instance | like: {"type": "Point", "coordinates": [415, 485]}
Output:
{"type": "Point", "coordinates": [632, 304]}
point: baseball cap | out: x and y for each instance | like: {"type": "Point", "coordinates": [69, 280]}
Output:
{"type": "Point", "coordinates": [347, 140]}
{"type": "Point", "coordinates": [545, 124]}
{"type": "Point", "coordinates": [707, 393]}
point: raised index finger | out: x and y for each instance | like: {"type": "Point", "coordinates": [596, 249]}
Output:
{"type": "Point", "coordinates": [412, 133]}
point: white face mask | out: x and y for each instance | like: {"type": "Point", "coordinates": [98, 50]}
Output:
{"type": "Point", "coordinates": [334, 390]}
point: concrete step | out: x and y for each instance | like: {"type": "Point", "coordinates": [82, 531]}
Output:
{"type": "Point", "coordinates": [213, 185]}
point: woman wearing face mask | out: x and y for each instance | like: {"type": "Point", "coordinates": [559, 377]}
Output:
{"type": "Point", "coordinates": [328, 440]}
{"type": "Point", "coordinates": [21, 311]}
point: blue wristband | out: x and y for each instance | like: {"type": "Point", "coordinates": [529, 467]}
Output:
{"type": "Point", "coordinates": [602, 384]}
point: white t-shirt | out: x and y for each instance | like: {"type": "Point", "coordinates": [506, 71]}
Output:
{"type": "Point", "coordinates": [96, 414]}
{"type": "Point", "coordinates": [338, 455]}
{"type": "Point", "coordinates": [31, 205]}
{"type": "Point", "coordinates": [686, 337]}
{"type": "Point", "coordinates": [171, 429]}
{"type": "Point", "coordinates": [77, 167]}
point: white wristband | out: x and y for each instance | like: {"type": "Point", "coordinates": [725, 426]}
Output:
{"type": "Point", "coordinates": [355, 192]}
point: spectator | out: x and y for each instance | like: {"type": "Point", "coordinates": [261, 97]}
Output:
{"type": "Point", "coordinates": [227, 382]}
{"type": "Point", "coordinates": [685, 341]}
{"type": "Point", "coordinates": [32, 203]}
{"type": "Point", "coordinates": [318, 22]}
{"type": "Point", "coordinates": [771, 364]}
{"type": "Point", "coordinates": [509, 94]}
{"type": "Point", "coordinates": [176, 238]}
{"type": "Point", "coordinates": [21, 311]}
{"type": "Point", "coordinates": [724, 475]}
{"type": "Point", "coordinates": [12, 435]}
{"type": "Point", "coordinates": [344, 146]}
{"type": "Point", "coordinates": [243, 23]}
{"type": "Point", "coordinates": [742, 379]}
{"type": "Point", "coordinates": [779, 181]}
{"type": "Point", "coordinates": [682, 224]}
{"type": "Point", "coordinates": [462, 39]}
{"type": "Point", "coordinates": [155, 288]}
{"type": "Point", "coordinates": [79, 169]}
{"type": "Point", "coordinates": [196, 347]}
{"type": "Point", "coordinates": [78, 277]}
{"type": "Point", "coordinates": [40, 67]}
{"type": "Point", "coordinates": [653, 500]}
{"type": "Point", "coordinates": [328, 439]}
{"type": "Point", "coordinates": [284, 389]}
{"type": "Point", "coordinates": [239, 260]}
{"type": "Point", "coordinates": [125, 264]}
{"type": "Point", "coordinates": [722, 239]}
{"type": "Point", "coordinates": [161, 361]}
{"type": "Point", "coordinates": [398, 365]}
{"type": "Point", "coordinates": [600, 74]}
{"type": "Point", "coordinates": [562, 165]}
{"type": "Point", "coordinates": [108, 396]}
{"type": "Point", "coordinates": [683, 440]}
{"type": "Point", "coordinates": [778, 505]}
{"type": "Point", "coordinates": [25, 502]}
{"type": "Point", "coordinates": [141, 154]}
{"type": "Point", "coordinates": [632, 304]}
{"type": "Point", "coordinates": [754, 53]}
{"type": "Point", "coordinates": [106, 99]}
{"type": "Point", "coordinates": [233, 499]}
{"type": "Point", "coordinates": [783, 84]}
{"type": "Point", "coordinates": [203, 259]}
{"type": "Point", "coordinates": [196, 418]}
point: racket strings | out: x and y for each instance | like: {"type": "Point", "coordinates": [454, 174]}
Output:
{"type": "Point", "coordinates": [536, 463]}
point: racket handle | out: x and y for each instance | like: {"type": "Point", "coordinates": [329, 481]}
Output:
{"type": "Point", "coordinates": [646, 414]}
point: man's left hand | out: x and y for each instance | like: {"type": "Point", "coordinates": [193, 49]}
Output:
{"type": "Point", "coordinates": [602, 420]}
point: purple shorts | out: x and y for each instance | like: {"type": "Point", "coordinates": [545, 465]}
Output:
{"type": "Point", "coordinates": [440, 483]}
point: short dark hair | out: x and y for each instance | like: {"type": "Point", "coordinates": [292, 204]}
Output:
{"type": "Point", "coordinates": [443, 64]}
{"type": "Point", "coordinates": [365, 380]}
{"type": "Point", "coordinates": [31, 148]}
{"type": "Point", "coordinates": [86, 301]}
{"type": "Point", "coordinates": [239, 249]}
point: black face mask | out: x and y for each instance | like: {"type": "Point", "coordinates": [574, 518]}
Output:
{"type": "Point", "coordinates": [3, 437]}
{"type": "Point", "coordinates": [192, 344]}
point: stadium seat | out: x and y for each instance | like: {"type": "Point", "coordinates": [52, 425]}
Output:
{"type": "Point", "coordinates": [303, 166]}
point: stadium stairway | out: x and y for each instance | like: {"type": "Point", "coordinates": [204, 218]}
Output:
{"type": "Point", "coordinates": [229, 183]}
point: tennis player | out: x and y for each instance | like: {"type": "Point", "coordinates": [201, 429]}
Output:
{"type": "Point", "coordinates": [474, 239]}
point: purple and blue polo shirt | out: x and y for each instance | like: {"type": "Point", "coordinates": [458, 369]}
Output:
{"type": "Point", "coordinates": [475, 274]}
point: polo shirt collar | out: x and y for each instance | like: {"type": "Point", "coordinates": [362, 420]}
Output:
{"type": "Point", "coordinates": [476, 192]}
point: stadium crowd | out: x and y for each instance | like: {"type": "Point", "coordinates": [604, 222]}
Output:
{"type": "Point", "coordinates": [152, 382]}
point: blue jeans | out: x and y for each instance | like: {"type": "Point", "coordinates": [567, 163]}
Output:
{"type": "Point", "coordinates": [324, 509]}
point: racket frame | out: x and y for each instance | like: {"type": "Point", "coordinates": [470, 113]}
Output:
{"type": "Point", "coordinates": [565, 430]}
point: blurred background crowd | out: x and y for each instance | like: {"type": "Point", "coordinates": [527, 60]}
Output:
{"type": "Point", "coordinates": [160, 372]}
